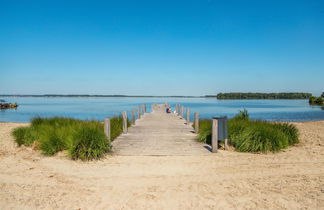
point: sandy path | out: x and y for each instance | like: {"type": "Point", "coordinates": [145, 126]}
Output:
{"type": "Point", "coordinates": [292, 179]}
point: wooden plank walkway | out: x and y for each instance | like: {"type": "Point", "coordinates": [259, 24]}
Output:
{"type": "Point", "coordinates": [159, 133]}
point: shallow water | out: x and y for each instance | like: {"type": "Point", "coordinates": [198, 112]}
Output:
{"type": "Point", "coordinates": [99, 108]}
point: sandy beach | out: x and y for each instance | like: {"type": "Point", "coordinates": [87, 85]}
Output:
{"type": "Point", "coordinates": [290, 179]}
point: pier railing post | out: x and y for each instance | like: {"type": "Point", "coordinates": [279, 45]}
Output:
{"type": "Point", "coordinates": [139, 112]}
{"type": "Point", "coordinates": [133, 116]}
{"type": "Point", "coordinates": [215, 135]}
{"type": "Point", "coordinates": [188, 116]}
{"type": "Point", "coordinates": [225, 134]}
{"type": "Point", "coordinates": [182, 112]}
{"type": "Point", "coordinates": [196, 122]}
{"type": "Point", "coordinates": [145, 108]}
{"type": "Point", "coordinates": [178, 109]}
{"type": "Point", "coordinates": [125, 122]}
{"type": "Point", "coordinates": [107, 128]}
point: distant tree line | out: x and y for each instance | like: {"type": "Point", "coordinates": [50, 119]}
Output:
{"type": "Point", "coordinates": [317, 100]}
{"type": "Point", "coordinates": [86, 95]}
{"type": "Point", "coordinates": [239, 95]}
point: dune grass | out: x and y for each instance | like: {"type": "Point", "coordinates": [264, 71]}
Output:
{"type": "Point", "coordinates": [83, 140]}
{"type": "Point", "coordinates": [247, 135]}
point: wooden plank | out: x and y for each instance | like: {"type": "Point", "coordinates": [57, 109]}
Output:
{"type": "Point", "coordinates": [124, 122]}
{"type": "Point", "coordinates": [196, 122]}
{"type": "Point", "coordinates": [107, 128]}
{"type": "Point", "coordinates": [215, 135]}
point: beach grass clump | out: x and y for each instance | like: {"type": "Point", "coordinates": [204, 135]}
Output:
{"type": "Point", "coordinates": [290, 130]}
{"type": "Point", "coordinates": [205, 129]}
{"type": "Point", "coordinates": [116, 124]}
{"type": "Point", "coordinates": [83, 140]}
{"type": "Point", "coordinates": [258, 136]}
{"type": "Point", "coordinates": [24, 136]}
{"type": "Point", "coordinates": [242, 115]}
{"type": "Point", "coordinates": [247, 135]}
{"type": "Point", "coordinates": [89, 142]}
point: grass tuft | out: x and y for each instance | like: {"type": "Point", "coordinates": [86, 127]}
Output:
{"type": "Point", "coordinates": [83, 140]}
{"type": "Point", "coordinates": [89, 143]}
{"type": "Point", "coordinates": [247, 135]}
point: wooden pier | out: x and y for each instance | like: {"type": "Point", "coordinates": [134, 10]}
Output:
{"type": "Point", "coordinates": [159, 133]}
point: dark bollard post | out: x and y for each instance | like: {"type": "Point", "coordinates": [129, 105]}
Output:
{"type": "Point", "coordinates": [196, 122]}
{"type": "Point", "coordinates": [139, 112]}
{"type": "Point", "coordinates": [219, 132]}
{"type": "Point", "coordinates": [125, 122]}
{"type": "Point", "coordinates": [107, 128]}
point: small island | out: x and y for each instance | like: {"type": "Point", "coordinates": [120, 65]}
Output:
{"type": "Point", "coordinates": [5, 105]}
{"type": "Point", "coordinates": [317, 100]}
{"type": "Point", "coordinates": [239, 95]}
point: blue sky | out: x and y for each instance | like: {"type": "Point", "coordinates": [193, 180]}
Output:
{"type": "Point", "coordinates": [161, 47]}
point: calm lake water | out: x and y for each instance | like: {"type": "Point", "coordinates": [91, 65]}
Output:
{"type": "Point", "coordinates": [99, 108]}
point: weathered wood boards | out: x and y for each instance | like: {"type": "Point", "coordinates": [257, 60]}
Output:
{"type": "Point", "coordinates": [107, 128]}
{"type": "Point", "coordinates": [196, 122]}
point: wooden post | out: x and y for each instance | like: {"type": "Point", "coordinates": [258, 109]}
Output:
{"type": "Point", "coordinates": [188, 116]}
{"type": "Point", "coordinates": [215, 135]}
{"type": "Point", "coordinates": [226, 135]}
{"type": "Point", "coordinates": [196, 122]}
{"type": "Point", "coordinates": [133, 116]}
{"type": "Point", "coordinates": [139, 112]}
{"type": "Point", "coordinates": [107, 128]}
{"type": "Point", "coordinates": [182, 112]}
{"type": "Point", "coordinates": [125, 122]}
{"type": "Point", "coordinates": [145, 108]}
{"type": "Point", "coordinates": [178, 109]}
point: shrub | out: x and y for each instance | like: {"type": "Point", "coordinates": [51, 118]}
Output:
{"type": "Point", "coordinates": [25, 135]}
{"type": "Point", "coordinates": [316, 100]}
{"type": "Point", "coordinates": [116, 125]}
{"type": "Point", "coordinates": [83, 139]}
{"type": "Point", "coordinates": [20, 135]}
{"type": "Point", "coordinates": [252, 135]}
{"type": "Point", "coordinates": [242, 115]}
{"type": "Point", "coordinates": [290, 130]}
{"type": "Point", "coordinates": [205, 129]}
{"type": "Point", "coordinates": [259, 136]}
{"type": "Point", "coordinates": [89, 142]}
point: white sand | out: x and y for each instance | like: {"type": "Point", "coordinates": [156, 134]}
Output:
{"type": "Point", "coordinates": [292, 179]}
